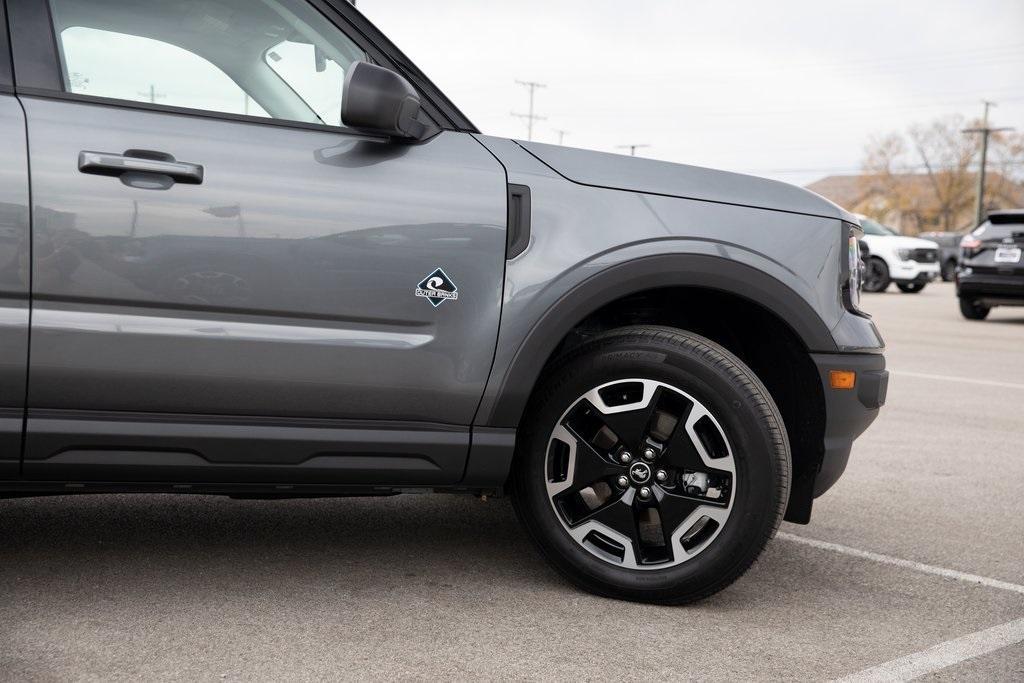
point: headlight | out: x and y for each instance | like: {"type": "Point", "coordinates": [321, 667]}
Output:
{"type": "Point", "coordinates": [904, 254]}
{"type": "Point", "coordinates": [855, 272]}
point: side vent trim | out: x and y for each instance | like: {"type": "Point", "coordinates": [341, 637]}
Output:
{"type": "Point", "coordinates": [518, 234]}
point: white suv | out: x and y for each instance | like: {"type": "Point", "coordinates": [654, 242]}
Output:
{"type": "Point", "coordinates": [910, 262]}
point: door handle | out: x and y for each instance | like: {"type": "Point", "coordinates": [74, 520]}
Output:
{"type": "Point", "coordinates": [140, 161]}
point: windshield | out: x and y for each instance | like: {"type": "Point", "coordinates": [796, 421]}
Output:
{"type": "Point", "coordinates": [874, 227]}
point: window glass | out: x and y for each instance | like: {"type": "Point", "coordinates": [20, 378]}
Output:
{"type": "Point", "coordinates": [997, 231]}
{"type": "Point", "coordinates": [871, 227]}
{"type": "Point", "coordinates": [315, 78]}
{"type": "Point", "coordinates": [271, 58]}
{"type": "Point", "coordinates": [96, 65]}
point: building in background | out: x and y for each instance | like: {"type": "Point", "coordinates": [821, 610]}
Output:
{"type": "Point", "coordinates": [917, 202]}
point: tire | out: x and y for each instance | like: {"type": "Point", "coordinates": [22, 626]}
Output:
{"type": "Point", "coordinates": [674, 372]}
{"type": "Point", "coordinates": [949, 270]}
{"type": "Point", "coordinates": [911, 287]}
{"type": "Point", "coordinates": [876, 276]}
{"type": "Point", "coordinates": [972, 310]}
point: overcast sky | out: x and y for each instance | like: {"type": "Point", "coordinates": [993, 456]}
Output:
{"type": "Point", "coordinates": [790, 89]}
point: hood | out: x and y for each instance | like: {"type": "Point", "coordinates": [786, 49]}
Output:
{"type": "Point", "coordinates": [636, 174]}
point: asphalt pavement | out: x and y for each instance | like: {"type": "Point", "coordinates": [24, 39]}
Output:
{"type": "Point", "coordinates": [913, 563]}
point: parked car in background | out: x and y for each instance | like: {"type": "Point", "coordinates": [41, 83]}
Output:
{"type": "Point", "coordinates": [991, 266]}
{"type": "Point", "coordinates": [910, 262]}
{"type": "Point", "coordinates": [949, 251]}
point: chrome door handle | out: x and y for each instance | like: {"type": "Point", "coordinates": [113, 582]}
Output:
{"type": "Point", "coordinates": [140, 161]}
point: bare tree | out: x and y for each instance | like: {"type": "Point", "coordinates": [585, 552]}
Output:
{"type": "Point", "coordinates": [946, 155]}
{"type": "Point", "coordinates": [925, 179]}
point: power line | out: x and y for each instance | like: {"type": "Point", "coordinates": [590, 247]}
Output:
{"type": "Point", "coordinates": [532, 86]}
{"type": "Point", "coordinates": [849, 170]}
{"type": "Point", "coordinates": [632, 148]}
{"type": "Point", "coordinates": [985, 130]}
{"type": "Point", "coordinates": [836, 111]}
{"type": "Point", "coordinates": [887, 63]}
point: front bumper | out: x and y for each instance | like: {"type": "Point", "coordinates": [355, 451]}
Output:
{"type": "Point", "coordinates": [912, 271]}
{"type": "Point", "coordinates": [848, 412]}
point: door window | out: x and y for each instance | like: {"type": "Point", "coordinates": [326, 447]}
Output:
{"type": "Point", "coordinates": [271, 58]}
{"type": "Point", "coordinates": [187, 80]}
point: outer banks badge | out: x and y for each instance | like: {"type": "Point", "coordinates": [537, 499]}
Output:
{"type": "Point", "coordinates": [437, 288]}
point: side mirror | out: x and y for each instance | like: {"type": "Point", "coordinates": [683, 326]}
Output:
{"type": "Point", "coordinates": [379, 101]}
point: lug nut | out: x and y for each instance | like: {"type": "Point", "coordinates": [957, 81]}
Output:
{"type": "Point", "coordinates": [625, 457]}
{"type": "Point", "coordinates": [623, 482]}
{"type": "Point", "coordinates": [645, 492]}
{"type": "Point", "coordinates": [661, 475]}
{"type": "Point", "coordinates": [650, 453]}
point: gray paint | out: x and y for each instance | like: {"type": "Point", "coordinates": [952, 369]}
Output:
{"type": "Point", "coordinates": [316, 240]}
{"type": "Point", "coordinates": [679, 180]}
{"type": "Point", "coordinates": [580, 232]}
{"type": "Point", "coordinates": [14, 281]}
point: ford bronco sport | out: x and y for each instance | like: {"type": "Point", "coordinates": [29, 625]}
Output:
{"type": "Point", "coordinates": [249, 249]}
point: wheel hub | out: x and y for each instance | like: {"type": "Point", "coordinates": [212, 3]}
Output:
{"type": "Point", "coordinates": [639, 474]}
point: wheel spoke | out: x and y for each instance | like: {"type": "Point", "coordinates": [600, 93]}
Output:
{"type": "Point", "coordinates": [619, 515]}
{"type": "Point", "coordinates": [589, 465]}
{"type": "Point", "coordinates": [687, 451]}
{"type": "Point", "coordinates": [681, 449]}
{"type": "Point", "coordinates": [673, 510]}
{"type": "Point", "coordinates": [631, 425]}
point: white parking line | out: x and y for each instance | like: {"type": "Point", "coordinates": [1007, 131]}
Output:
{"type": "Point", "coordinates": [942, 655]}
{"type": "Point", "coordinates": [908, 564]}
{"type": "Point", "coordinates": [951, 378]}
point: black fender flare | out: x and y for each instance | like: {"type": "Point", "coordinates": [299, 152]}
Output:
{"type": "Point", "coordinates": [635, 276]}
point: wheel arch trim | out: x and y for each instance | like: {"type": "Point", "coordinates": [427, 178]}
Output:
{"type": "Point", "coordinates": [632, 277]}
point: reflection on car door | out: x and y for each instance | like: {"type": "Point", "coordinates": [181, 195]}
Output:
{"type": "Point", "coordinates": [282, 287]}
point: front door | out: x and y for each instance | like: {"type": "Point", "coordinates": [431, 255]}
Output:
{"type": "Point", "coordinates": [227, 284]}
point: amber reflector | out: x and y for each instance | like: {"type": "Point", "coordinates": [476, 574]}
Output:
{"type": "Point", "coordinates": [842, 379]}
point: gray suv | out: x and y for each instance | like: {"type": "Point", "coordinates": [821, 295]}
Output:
{"type": "Point", "coordinates": [249, 249]}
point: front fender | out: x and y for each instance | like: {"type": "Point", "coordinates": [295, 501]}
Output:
{"type": "Point", "coordinates": [591, 246]}
{"type": "Point", "coordinates": [633, 276]}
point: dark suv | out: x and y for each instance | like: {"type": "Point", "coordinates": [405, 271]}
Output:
{"type": "Point", "coordinates": [991, 268]}
{"type": "Point", "coordinates": [249, 249]}
{"type": "Point", "coordinates": [949, 251]}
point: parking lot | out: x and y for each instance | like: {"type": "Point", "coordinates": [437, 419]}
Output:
{"type": "Point", "coordinates": [926, 524]}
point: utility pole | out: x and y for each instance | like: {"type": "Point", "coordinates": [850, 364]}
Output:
{"type": "Point", "coordinates": [632, 148]}
{"type": "Point", "coordinates": [531, 117]}
{"type": "Point", "coordinates": [985, 131]}
{"type": "Point", "coordinates": [561, 135]}
{"type": "Point", "coordinates": [153, 95]}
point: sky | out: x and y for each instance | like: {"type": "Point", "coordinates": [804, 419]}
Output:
{"type": "Point", "coordinates": [787, 89]}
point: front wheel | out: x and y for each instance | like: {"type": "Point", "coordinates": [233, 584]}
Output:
{"type": "Point", "coordinates": [910, 287]}
{"type": "Point", "coordinates": [876, 275]}
{"type": "Point", "coordinates": [972, 310]}
{"type": "Point", "coordinates": [949, 270]}
{"type": "Point", "coordinates": [652, 465]}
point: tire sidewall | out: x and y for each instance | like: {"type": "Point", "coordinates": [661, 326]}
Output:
{"type": "Point", "coordinates": [883, 279]}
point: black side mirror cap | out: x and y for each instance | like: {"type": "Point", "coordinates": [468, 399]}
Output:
{"type": "Point", "coordinates": [379, 101]}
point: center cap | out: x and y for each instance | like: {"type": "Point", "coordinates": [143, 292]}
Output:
{"type": "Point", "coordinates": [639, 473]}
